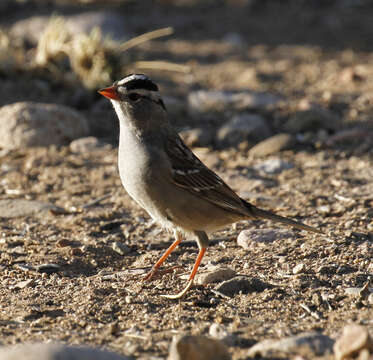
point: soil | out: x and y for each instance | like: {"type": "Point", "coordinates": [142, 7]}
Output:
{"type": "Point", "coordinates": [95, 296]}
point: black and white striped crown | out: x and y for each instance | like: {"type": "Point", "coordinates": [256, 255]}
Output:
{"type": "Point", "coordinates": [138, 81]}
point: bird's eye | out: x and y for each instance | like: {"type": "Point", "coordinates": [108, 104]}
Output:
{"type": "Point", "coordinates": [134, 96]}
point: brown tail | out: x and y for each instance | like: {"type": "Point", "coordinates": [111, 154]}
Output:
{"type": "Point", "coordinates": [263, 214]}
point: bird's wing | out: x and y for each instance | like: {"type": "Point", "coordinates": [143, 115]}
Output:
{"type": "Point", "coordinates": [190, 173]}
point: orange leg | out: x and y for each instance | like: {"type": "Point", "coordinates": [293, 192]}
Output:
{"type": "Point", "coordinates": [191, 277]}
{"type": "Point", "coordinates": [197, 263]}
{"type": "Point", "coordinates": [157, 265]}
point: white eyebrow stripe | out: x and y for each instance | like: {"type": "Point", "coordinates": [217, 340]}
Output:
{"type": "Point", "coordinates": [132, 77]}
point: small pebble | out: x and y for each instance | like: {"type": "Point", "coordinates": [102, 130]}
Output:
{"type": "Point", "coordinates": [23, 284]}
{"type": "Point", "coordinates": [272, 145]}
{"type": "Point", "coordinates": [240, 284]}
{"type": "Point", "coordinates": [219, 332]}
{"type": "Point", "coordinates": [63, 243]}
{"type": "Point", "coordinates": [48, 268]}
{"type": "Point", "coordinates": [24, 267]}
{"type": "Point", "coordinates": [120, 248]}
{"type": "Point", "coordinates": [273, 166]}
{"type": "Point", "coordinates": [85, 144]}
{"type": "Point", "coordinates": [297, 269]}
{"type": "Point", "coordinates": [77, 252]}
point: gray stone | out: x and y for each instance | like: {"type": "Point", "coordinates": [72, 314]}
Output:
{"type": "Point", "coordinates": [214, 275]}
{"type": "Point", "coordinates": [11, 208]}
{"type": "Point", "coordinates": [86, 144]}
{"type": "Point", "coordinates": [199, 347]}
{"type": "Point", "coordinates": [353, 291]}
{"type": "Point", "coordinates": [27, 124]}
{"type": "Point", "coordinates": [240, 284]}
{"type": "Point", "coordinates": [354, 339]}
{"type": "Point", "coordinates": [251, 237]}
{"type": "Point", "coordinates": [197, 137]}
{"type": "Point", "coordinates": [110, 24]}
{"type": "Point", "coordinates": [273, 166]}
{"type": "Point", "coordinates": [234, 39]}
{"type": "Point", "coordinates": [308, 345]}
{"type": "Point", "coordinates": [244, 127]}
{"type": "Point", "coordinates": [312, 119]}
{"type": "Point", "coordinates": [206, 101]}
{"type": "Point", "coordinates": [272, 145]}
{"type": "Point", "coordinates": [56, 352]}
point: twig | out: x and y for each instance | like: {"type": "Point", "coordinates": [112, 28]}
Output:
{"type": "Point", "coordinates": [162, 65]}
{"type": "Point", "coordinates": [312, 313]}
{"type": "Point", "coordinates": [146, 37]}
{"type": "Point", "coordinates": [96, 201]}
{"type": "Point", "coordinates": [134, 336]}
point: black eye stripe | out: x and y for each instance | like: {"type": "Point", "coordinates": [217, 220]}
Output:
{"type": "Point", "coordinates": [141, 84]}
{"type": "Point", "coordinates": [158, 102]}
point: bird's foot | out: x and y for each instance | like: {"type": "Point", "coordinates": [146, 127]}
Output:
{"type": "Point", "coordinates": [181, 293]}
{"type": "Point", "coordinates": [155, 272]}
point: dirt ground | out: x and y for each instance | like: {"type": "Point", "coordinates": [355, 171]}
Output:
{"type": "Point", "coordinates": [321, 53]}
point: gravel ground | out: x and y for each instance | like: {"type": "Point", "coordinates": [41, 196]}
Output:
{"type": "Point", "coordinates": [89, 292]}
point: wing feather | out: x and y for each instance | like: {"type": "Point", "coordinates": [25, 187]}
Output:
{"type": "Point", "coordinates": [191, 174]}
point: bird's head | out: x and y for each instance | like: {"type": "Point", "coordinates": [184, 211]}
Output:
{"type": "Point", "coordinates": [137, 102]}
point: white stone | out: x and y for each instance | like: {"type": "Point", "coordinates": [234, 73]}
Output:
{"type": "Point", "coordinates": [214, 275]}
{"type": "Point", "coordinates": [273, 166]}
{"type": "Point", "coordinates": [26, 124]}
{"type": "Point", "coordinates": [55, 351]}
{"type": "Point", "coordinates": [251, 237]}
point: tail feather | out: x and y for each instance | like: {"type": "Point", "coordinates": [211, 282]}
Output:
{"type": "Point", "coordinates": [263, 214]}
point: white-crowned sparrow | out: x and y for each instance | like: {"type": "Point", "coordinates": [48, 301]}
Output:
{"type": "Point", "coordinates": [164, 177]}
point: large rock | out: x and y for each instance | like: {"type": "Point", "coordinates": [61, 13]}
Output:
{"type": "Point", "coordinates": [110, 23]}
{"type": "Point", "coordinates": [354, 340]}
{"type": "Point", "coordinates": [11, 208]}
{"type": "Point", "coordinates": [244, 127]}
{"type": "Point", "coordinates": [308, 345]}
{"type": "Point", "coordinates": [199, 347]}
{"type": "Point", "coordinates": [205, 101]}
{"type": "Point", "coordinates": [26, 124]}
{"type": "Point", "coordinates": [56, 352]}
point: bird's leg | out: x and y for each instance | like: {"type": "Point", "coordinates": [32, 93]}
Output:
{"type": "Point", "coordinates": [202, 241]}
{"type": "Point", "coordinates": [157, 265]}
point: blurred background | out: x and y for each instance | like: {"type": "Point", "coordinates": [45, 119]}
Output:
{"type": "Point", "coordinates": [233, 72]}
{"type": "Point", "coordinates": [276, 96]}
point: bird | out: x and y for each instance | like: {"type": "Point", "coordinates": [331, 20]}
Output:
{"type": "Point", "coordinates": [167, 179]}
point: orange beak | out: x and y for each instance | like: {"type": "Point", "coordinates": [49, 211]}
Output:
{"type": "Point", "coordinates": [109, 92]}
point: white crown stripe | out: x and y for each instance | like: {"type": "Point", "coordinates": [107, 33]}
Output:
{"type": "Point", "coordinates": [132, 77]}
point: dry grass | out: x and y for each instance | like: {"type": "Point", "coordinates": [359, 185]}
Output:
{"type": "Point", "coordinates": [91, 59]}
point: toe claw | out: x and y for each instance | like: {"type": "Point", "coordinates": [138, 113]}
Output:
{"type": "Point", "coordinates": [181, 293]}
